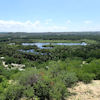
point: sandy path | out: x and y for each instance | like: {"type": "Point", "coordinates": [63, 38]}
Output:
{"type": "Point", "coordinates": [86, 91]}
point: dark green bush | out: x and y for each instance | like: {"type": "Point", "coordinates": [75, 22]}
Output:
{"type": "Point", "coordinates": [70, 79]}
{"type": "Point", "coordinates": [93, 68]}
{"type": "Point", "coordinates": [29, 92]}
{"type": "Point", "coordinates": [42, 90]}
{"type": "Point", "coordinates": [14, 92]}
{"type": "Point", "coordinates": [59, 91]}
{"type": "Point", "coordinates": [86, 77]}
{"type": "Point", "coordinates": [41, 83]}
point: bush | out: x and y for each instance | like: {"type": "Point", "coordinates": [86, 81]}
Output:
{"type": "Point", "coordinates": [14, 92]}
{"type": "Point", "coordinates": [3, 84]}
{"type": "Point", "coordinates": [41, 83]}
{"type": "Point", "coordinates": [59, 91]}
{"type": "Point", "coordinates": [86, 77]}
{"type": "Point", "coordinates": [42, 90]}
{"type": "Point", "coordinates": [70, 79]}
{"type": "Point", "coordinates": [29, 77]}
{"type": "Point", "coordinates": [29, 92]}
{"type": "Point", "coordinates": [93, 68]}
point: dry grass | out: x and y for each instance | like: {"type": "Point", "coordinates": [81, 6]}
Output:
{"type": "Point", "coordinates": [86, 91]}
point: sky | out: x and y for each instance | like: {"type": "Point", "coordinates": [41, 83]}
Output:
{"type": "Point", "coordinates": [49, 15]}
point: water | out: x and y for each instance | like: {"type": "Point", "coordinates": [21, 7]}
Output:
{"type": "Point", "coordinates": [40, 45]}
{"type": "Point", "coordinates": [33, 51]}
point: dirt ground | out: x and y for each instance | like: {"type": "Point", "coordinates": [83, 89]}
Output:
{"type": "Point", "coordinates": [86, 91]}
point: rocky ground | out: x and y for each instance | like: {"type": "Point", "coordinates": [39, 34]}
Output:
{"type": "Point", "coordinates": [86, 91]}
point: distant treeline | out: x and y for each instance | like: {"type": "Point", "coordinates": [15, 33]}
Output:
{"type": "Point", "coordinates": [50, 36]}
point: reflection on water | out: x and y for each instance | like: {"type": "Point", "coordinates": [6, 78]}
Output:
{"type": "Point", "coordinates": [33, 51]}
{"type": "Point", "coordinates": [40, 45]}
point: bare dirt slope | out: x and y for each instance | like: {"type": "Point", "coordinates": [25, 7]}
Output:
{"type": "Point", "coordinates": [86, 91]}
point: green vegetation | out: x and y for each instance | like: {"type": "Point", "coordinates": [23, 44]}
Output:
{"type": "Point", "coordinates": [48, 74]}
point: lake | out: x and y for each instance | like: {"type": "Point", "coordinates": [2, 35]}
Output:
{"type": "Point", "coordinates": [32, 51]}
{"type": "Point", "coordinates": [40, 45]}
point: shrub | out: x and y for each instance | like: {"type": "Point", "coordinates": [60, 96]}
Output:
{"type": "Point", "coordinates": [70, 79]}
{"type": "Point", "coordinates": [3, 84]}
{"type": "Point", "coordinates": [86, 77]}
{"type": "Point", "coordinates": [14, 92]}
{"type": "Point", "coordinates": [42, 90]}
{"type": "Point", "coordinates": [59, 91]}
{"type": "Point", "coordinates": [93, 68]}
{"type": "Point", "coordinates": [29, 77]}
{"type": "Point", "coordinates": [29, 92]}
{"type": "Point", "coordinates": [41, 83]}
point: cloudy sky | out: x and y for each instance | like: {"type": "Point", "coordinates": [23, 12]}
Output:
{"type": "Point", "coordinates": [49, 15]}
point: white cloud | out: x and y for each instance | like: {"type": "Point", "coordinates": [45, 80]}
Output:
{"type": "Point", "coordinates": [48, 21]}
{"type": "Point", "coordinates": [36, 23]}
{"type": "Point", "coordinates": [37, 26]}
{"type": "Point", "coordinates": [88, 22]}
{"type": "Point", "coordinates": [28, 26]}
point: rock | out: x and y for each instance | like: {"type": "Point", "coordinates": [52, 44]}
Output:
{"type": "Point", "coordinates": [2, 58]}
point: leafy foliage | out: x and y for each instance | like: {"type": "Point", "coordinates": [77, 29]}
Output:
{"type": "Point", "coordinates": [47, 77]}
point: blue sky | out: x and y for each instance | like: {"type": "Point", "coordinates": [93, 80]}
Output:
{"type": "Point", "coordinates": [49, 15]}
